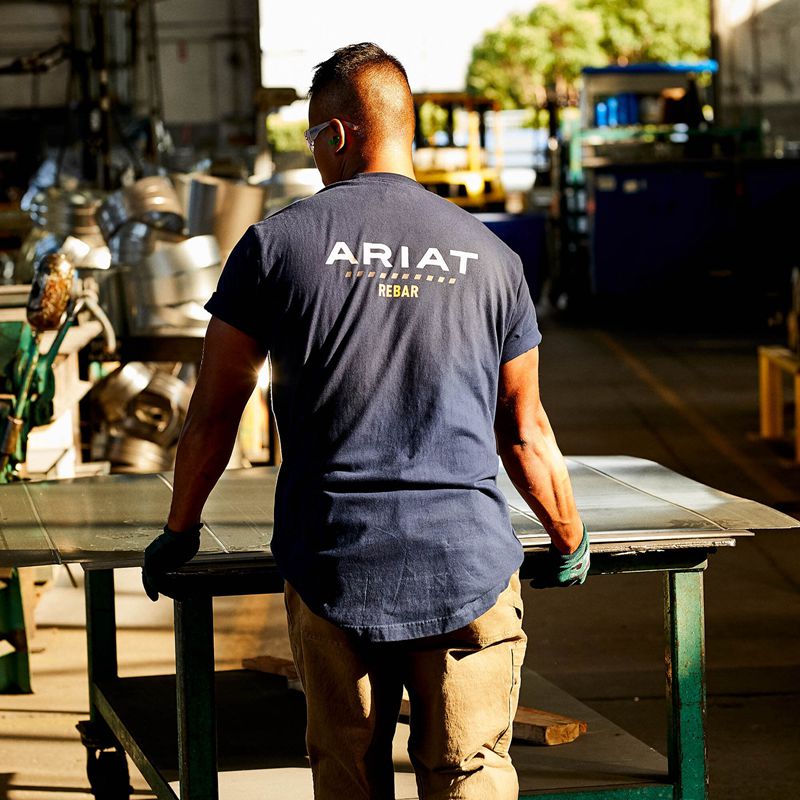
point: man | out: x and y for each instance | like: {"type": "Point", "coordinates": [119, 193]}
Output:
{"type": "Point", "coordinates": [403, 344]}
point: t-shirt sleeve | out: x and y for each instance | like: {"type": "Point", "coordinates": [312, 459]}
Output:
{"type": "Point", "coordinates": [239, 297]}
{"type": "Point", "coordinates": [522, 332]}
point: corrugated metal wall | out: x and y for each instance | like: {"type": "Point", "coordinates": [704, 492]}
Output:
{"type": "Point", "coordinates": [208, 53]}
{"type": "Point", "coordinates": [760, 63]}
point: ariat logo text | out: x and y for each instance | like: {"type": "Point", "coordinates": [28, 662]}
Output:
{"type": "Point", "coordinates": [379, 256]}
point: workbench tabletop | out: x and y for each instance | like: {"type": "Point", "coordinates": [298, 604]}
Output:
{"type": "Point", "coordinates": [107, 521]}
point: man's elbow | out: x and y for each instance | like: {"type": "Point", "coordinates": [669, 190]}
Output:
{"type": "Point", "coordinates": [523, 440]}
{"type": "Point", "coordinates": [523, 428]}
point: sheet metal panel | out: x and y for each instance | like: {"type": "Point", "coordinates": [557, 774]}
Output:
{"type": "Point", "coordinates": [239, 511]}
{"type": "Point", "coordinates": [108, 521]}
{"type": "Point", "coordinates": [606, 505]}
{"type": "Point", "coordinates": [23, 541]}
{"type": "Point", "coordinates": [89, 517]}
{"type": "Point", "coordinates": [612, 510]}
{"type": "Point", "coordinates": [727, 511]}
{"type": "Point", "coordinates": [638, 536]}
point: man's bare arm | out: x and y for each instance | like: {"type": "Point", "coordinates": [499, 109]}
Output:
{"type": "Point", "coordinates": [527, 446]}
{"type": "Point", "coordinates": [228, 374]}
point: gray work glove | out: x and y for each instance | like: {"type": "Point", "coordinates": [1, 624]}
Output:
{"type": "Point", "coordinates": [559, 569]}
{"type": "Point", "coordinates": [166, 553]}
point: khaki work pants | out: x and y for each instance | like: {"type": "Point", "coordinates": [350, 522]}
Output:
{"type": "Point", "coordinates": [463, 689]}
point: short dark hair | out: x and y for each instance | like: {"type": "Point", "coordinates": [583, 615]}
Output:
{"type": "Point", "coordinates": [371, 87]}
{"type": "Point", "coordinates": [346, 62]}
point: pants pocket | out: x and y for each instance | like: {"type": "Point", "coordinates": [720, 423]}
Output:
{"type": "Point", "coordinates": [503, 621]}
{"type": "Point", "coordinates": [515, 669]}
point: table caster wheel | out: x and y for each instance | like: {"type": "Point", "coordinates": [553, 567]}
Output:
{"type": "Point", "coordinates": [108, 774]}
{"type": "Point", "coordinates": [106, 765]}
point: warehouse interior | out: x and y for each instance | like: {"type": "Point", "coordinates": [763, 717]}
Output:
{"type": "Point", "coordinates": [654, 212]}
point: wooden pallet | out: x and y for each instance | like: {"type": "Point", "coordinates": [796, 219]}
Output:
{"type": "Point", "coordinates": [774, 363]}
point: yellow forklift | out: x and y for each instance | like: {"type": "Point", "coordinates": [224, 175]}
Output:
{"type": "Point", "coordinates": [451, 157]}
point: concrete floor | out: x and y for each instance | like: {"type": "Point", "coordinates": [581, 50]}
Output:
{"type": "Point", "coordinates": [689, 402]}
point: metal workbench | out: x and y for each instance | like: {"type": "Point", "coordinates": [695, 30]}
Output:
{"type": "Point", "coordinates": [642, 518]}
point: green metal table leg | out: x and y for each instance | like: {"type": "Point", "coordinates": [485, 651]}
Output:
{"type": "Point", "coordinates": [197, 727]}
{"type": "Point", "coordinates": [101, 640]}
{"type": "Point", "coordinates": [106, 763]}
{"type": "Point", "coordinates": [15, 674]}
{"type": "Point", "coordinates": [686, 694]}
{"type": "Point", "coordinates": [101, 625]}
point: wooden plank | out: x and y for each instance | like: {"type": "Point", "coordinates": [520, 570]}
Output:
{"type": "Point", "coordinates": [531, 725]}
{"type": "Point", "coordinates": [535, 726]}
{"type": "Point", "coordinates": [273, 665]}
{"type": "Point", "coordinates": [781, 357]}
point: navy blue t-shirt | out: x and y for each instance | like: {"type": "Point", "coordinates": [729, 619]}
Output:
{"type": "Point", "coordinates": [387, 312]}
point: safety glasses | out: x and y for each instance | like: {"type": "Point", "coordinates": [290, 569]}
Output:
{"type": "Point", "coordinates": [312, 133]}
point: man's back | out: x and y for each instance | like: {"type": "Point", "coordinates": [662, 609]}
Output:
{"type": "Point", "coordinates": [387, 312]}
{"type": "Point", "coordinates": [404, 345]}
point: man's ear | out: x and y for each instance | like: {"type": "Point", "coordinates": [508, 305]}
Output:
{"type": "Point", "coordinates": [336, 139]}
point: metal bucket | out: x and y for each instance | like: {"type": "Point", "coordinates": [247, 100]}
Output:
{"type": "Point", "coordinates": [66, 213]}
{"type": "Point", "coordinates": [111, 293]}
{"type": "Point", "coordinates": [202, 204]}
{"type": "Point", "coordinates": [196, 253]}
{"type": "Point", "coordinates": [151, 292]}
{"type": "Point", "coordinates": [86, 255]}
{"type": "Point", "coordinates": [131, 243]}
{"type": "Point", "coordinates": [190, 315]}
{"type": "Point", "coordinates": [134, 241]}
{"type": "Point", "coordinates": [243, 205]}
{"type": "Point", "coordinates": [150, 200]}
{"type": "Point", "coordinates": [224, 208]}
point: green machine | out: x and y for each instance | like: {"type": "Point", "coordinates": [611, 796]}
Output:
{"type": "Point", "coordinates": [27, 388]}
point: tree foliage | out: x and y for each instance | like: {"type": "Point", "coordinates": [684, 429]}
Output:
{"type": "Point", "coordinates": [285, 136]}
{"type": "Point", "coordinates": [653, 30]}
{"type": "Point", "coordinates": [545, 49]}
